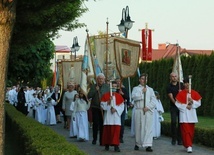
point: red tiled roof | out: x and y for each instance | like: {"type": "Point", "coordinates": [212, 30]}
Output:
{"type": "Point", "coordinates": [204, 52]}
{"type": "Point", "coordinates": [62, 49]}
{"type": "Point", "coordinates": [170, 51]}
{"type": "Point", "coordinates": [157, 54]}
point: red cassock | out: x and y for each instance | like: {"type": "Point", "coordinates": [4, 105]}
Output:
{"type": "Point", "coordinates": [182, 96]}
{"type": "Point", "coordinates": [111, 132]}
{"type": "Point", "coordinates": [187, 129]}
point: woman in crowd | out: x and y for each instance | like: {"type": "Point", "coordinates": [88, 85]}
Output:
{"type": "Point", "coordinates": [68, 98]}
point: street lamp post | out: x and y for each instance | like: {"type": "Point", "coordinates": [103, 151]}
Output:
{"type": "Point", "coordinates": [126, 23]}
{"type": "Point", "coordinates": [75, 47]}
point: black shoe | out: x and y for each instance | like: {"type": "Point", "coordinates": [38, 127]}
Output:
{"type": "Point", "coordinates": [116, 149]}
{"type": "Point", "coordinates": [94, 142]}
{"type": "Point", "coordinates": [121, 141]}
{"type": "Point", "coordinates": [73, 137]}
{"type": "Point", "coordinates": [81, 140]}
{"type": "Point", "coordinates": [59, 122]}
{"type": "Point", "coordinates": [107, 147]}
{"type": "Point", "coordinates": [180, 143]}
{"type": "Point", "coordinates": [136, 147]}
{"type": "Point", "coordinates": [149, 149]}
{"type": "Point", "coordinates": [173, 142]}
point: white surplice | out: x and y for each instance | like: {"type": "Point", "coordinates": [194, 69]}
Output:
{"type": "Point", "coordinates": [186, 115]}
{"type": "Point", "coordinates": [109, 118]}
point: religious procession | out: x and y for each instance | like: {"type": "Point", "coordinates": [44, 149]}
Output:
{"type": "Point", "coordinates": [120, 95]}
{"type": "Point", "coordinates": [90, 94]}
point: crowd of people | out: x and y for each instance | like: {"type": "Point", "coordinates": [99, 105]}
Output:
{"type": "Point", "coordinates": [34, 102]}
{"type": "Point", "coordinates": [104, 108]}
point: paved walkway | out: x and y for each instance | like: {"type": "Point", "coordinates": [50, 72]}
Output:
{"type": "Point", "coordinates": [161, 146]}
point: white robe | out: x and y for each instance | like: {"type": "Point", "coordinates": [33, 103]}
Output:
{"type": "Point", "coordinates": [44, 115]}
{"type": "Point", "coordinates": [51, 116]}
{"type": "Point", "coordinates": [39, 107]}
{"type": "Point", "coordinates": [156, 119]}
{"type": "Point", "coordinates": [30, 108]}
{"type": "Point", "coordinates": [28, 98]}
{"type": "Point", "coordinates": [12, 96]}
{"type": "Point", "coordinates": [80, 111]}
{"type": "Point", "coordinates": [73, 124]}
{"type": "Point", "coordinates": [143, 122]}
{"type": "Point", "coordinates": [132, 123]}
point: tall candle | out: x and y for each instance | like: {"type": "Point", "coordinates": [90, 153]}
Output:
{"type": "Point", "coordinates": [110, 88]}
{"type": "Point", "coordinates": [190, 83]}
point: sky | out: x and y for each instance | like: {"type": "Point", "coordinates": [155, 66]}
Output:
{"type": "Point", "coordinates": [190, 23]}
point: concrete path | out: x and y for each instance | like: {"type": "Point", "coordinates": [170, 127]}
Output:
{"type": "Point", "coordinates": [161, 146]}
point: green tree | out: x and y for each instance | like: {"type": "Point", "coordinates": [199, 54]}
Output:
{"type": "Point", "coordinates": [209, 85]}
{"type": "Point", "coordinates": [36, 21]}
{"type": "Point", "coordinates": [43, 18]}
{"type": "Point", "coordinates": [30, 64]}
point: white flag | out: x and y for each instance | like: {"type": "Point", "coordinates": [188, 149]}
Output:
{"type": "Point", "coordinates": [177, 67]}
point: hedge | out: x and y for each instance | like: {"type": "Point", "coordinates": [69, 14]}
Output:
{"type": "Point", "coordinates": [34, 138]}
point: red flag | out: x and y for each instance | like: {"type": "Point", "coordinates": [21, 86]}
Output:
{"type": "Point", "coordinates": [147, 44]}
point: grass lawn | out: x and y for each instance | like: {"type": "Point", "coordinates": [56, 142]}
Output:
{"type": "Point", "coordinates": [203, 122]}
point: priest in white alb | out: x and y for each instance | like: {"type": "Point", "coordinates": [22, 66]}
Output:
{"type": "Point", "coordinates": [144, 103]}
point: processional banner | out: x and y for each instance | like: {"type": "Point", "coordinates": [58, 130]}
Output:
{"type": "Point", "coordinates": [177, 66]}
{"type": "Point", "coordinates": [105, 57]}
{"type": "Point", "coordinates": [117, 56]}
{"type": "Point", "coordinates": [87, 70]}
{"type": "Point", "coordinates": [70, 72]}
{"type": "Point", "coordinates": [147, 44]}
{"type": "Point", "coordinates": [127, 53]}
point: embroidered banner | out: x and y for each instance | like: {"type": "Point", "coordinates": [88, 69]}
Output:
{"type": "Point", "coordinates": [71, 72]}
{"type": "Point", "coordinates": [127, 54]}
{"type": "Point", "coordinates": [104, 53]}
